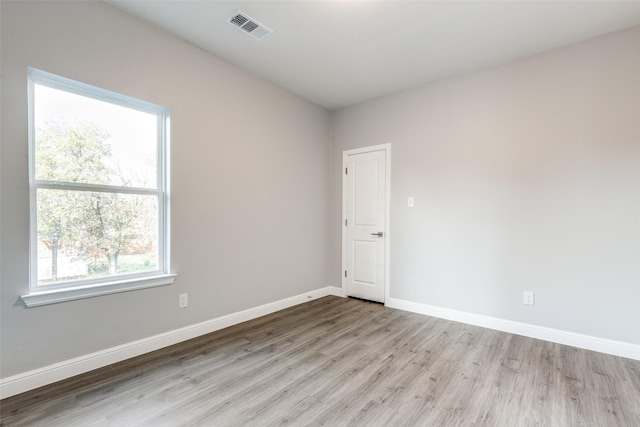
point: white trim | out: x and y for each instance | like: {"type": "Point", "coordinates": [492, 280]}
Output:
{"type": "Point", "coordinates": [337, 291]}
{"type": "Point", "coordinates": [616, 348]}
{"type": "Point", "coordinates": [30, 380]}
{"type": "Point", "coordinates": [33, 235]}
{"type": "Point", "coordinates": [387, 247]}
{"type": "Point", "coordinates": [53, 296]}
{"type": "Point", "coordinates": [95, 188]}
{"type": "Point", "coordinates": [147, 278]}
{"type": "Point", "coordinates": [55, 81]}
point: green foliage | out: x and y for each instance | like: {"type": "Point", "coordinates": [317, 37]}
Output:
{"type": "Point", "coordinates": [126, 264]}
{"type": "Point", "coordinates": [72, 154]}
{"type": "Point", "coordinates": [96, 227]}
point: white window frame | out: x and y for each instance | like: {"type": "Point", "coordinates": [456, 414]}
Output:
{"type": "Point", "coordinates": [86, 288]}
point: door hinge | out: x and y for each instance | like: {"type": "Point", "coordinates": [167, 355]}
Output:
{"type": "Point", "coordinates": [345, 273]}
{"type": "Point", "coordinates": [345, 222]}
{"type": "Point", "coordinates": [346, 171]}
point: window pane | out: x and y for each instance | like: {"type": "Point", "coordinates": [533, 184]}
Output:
{"type": "Point", "coordinates": [85, 234]}
{"type": "Point", "coordinates": [80, 139]}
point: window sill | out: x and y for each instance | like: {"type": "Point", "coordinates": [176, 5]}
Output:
{"type": "Point", "coordinates": [53, 296]}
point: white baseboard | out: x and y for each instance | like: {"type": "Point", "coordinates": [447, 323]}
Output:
{"type": "Point", "coordinates": [616, 348]}
{"type": "Point", "coordinates": [30, 380]}
{"type": "Point", "coordinates": [337, 291]}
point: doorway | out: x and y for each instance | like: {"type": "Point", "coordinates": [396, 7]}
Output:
{"type": "Point", "coordinates": [365, 216]}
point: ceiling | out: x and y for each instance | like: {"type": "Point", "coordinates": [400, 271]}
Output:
{"type": "Point", "coordinates": [340, 53]}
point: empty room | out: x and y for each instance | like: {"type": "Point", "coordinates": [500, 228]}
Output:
{"type": "Point", "coordinates": [365, 213]}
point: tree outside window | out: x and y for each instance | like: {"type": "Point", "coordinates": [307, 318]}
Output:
{"type": "Point", "coordinates": [98, 183]}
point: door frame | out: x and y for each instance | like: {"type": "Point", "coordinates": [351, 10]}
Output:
{"type": "Point", "coordinates": [387, 211]}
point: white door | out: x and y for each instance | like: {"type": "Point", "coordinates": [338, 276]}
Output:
{"type": "Point", "coordinates": [365, 227]}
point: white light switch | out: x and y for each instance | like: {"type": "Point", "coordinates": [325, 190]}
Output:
{"type": "Point", "coordinates": [410, 202]}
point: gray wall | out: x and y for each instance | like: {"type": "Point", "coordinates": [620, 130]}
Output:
{"type": "Point", "coordinates": [525, 177]}
{"type": "Point", "coordinates": [250, 185]}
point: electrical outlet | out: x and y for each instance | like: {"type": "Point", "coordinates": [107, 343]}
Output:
{"type": "Point", "coordinates": [410, 202]}
{"type": "Point", "coordinates": [528, 298]}
{"type": "Point", "coordinates": [183, 301]}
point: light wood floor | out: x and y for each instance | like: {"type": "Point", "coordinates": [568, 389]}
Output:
{"type": "Point", "coordinates": [337, 361]}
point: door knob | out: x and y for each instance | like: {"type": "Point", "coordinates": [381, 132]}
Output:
{"type": "Point", "coordinates": [379, 234]}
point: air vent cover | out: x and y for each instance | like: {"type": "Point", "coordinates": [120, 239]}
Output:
{"type": "Point", "coordinates": [244, 22]}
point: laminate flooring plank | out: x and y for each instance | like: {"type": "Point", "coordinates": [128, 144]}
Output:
{"type": "Point", "coordinates": [388, 382]}
{"type": "Point", "coordinates": [351, 353]}
{"type": "Point", "coordinates": [101, 382]}
{"type": "Point", "coordinates": [339, 340]}
{"type": "Point", "coordinates": [357, 400]}
{"type": "Point", "coordinates": [352, 363]}
{"type": "Point", "coordinates": [228, 406]}
{"type": "Point", "coordinates": [289, 394]}
{"type": "Point", "coordinates": [251, 359]}
{"type": "Point", "coordinates": [372, 414]}
{"type": "Point", "coordinates": [178, 380]}
{"type": "Point", "coordinates": [344, 362]}
{"type": "Point", "coordinates": [373, 379]}
{"type": "Point", "coordinates": [229, 391]}
{"type": "Point", "coordinates": [460, 397]}
{"type": "Point", "coordinates": [112, 386]}
{"type": "Point", "coordinates": [300, 401]}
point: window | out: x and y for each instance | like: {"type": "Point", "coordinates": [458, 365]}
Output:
{"type": "Point", "coordinates": [98, 182]}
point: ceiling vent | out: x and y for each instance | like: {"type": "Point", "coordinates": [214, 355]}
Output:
{"type": "Point", "coordinates": [244, 22]}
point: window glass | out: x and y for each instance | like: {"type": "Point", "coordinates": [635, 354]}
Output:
{"type": "Point", "coordinates": [80, 139]}
{"type": "Point", "coordinates": [84, 234]}
{"type": "Point", "coordinates": [97, 184]}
